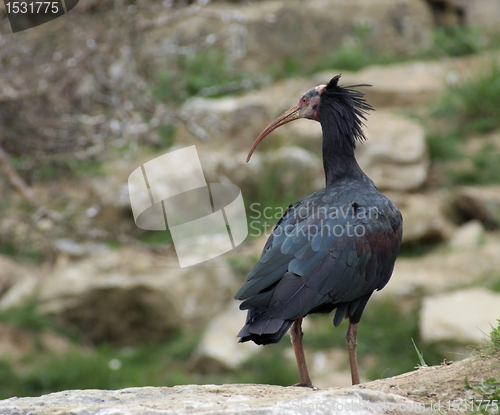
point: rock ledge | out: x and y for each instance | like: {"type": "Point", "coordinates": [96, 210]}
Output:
{"type": "Point", "coordinates": [212, 399]}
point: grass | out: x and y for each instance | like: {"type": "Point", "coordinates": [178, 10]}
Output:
{"type": "Point", "coordinates": [488, 392]}
{"type": "Point", "coordinates": [472, 106]}
{"type": "Point", "coordinates": [27, 317]}
{"type": "Point", "coordinates": [421, 361]}
{"type": "Point", "coordinates": [457, 41]}
{"type": "Point", "coordinates": [194, 72]}
{"type": "Point", "coordinates": [486, 399]}
{"type": "Point", "coordinates": [101, 368]}
{"type": "Point", "coordinates": [166, 133]}
{"type": "Point", "coordinates": [445, 146]}
{"type": "Point", "coordinates": [485, 168]}
{"type": "Point", "coordinates": [384, 332]}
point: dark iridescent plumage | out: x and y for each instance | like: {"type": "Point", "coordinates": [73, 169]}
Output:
{"type": "Point", "coordinates": [334, 248]}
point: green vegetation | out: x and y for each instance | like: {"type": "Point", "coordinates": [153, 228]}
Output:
{"type": "Point", "coordinates": [166, 132]}
{"type": "Point", "coordinates": [495, 336]}
{"type": "Point", "coordinates": [26, 317]}
{"type": "Point", "coordinates": [384, 332]}
{"type": "Point", "coordinates": [445, 146]}
{"type": "Point", "coordinates": [489, 396]}
{"type": "Point", "coordinates": [472, 105]}
{"type": "Point", "coordinates": [485, 168]}
{"type": "Point", "coordinates": [26, 252]}
{"type": "Point", "coordinates": [169, 363]}
{"type": "Point", "coordinates": [487, 392]}
{"type": "Point", "coordinates": [420, 355]}
{"type": "Point", "coordinates": [469, 107]}
{"type": "Point", "coordinates": [155, 238]}
{"type": "Point", "coordinates": [194, 72]}
{"type": "Point", "coordinates": [457, 41]}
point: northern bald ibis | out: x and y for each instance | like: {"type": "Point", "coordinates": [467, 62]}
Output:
{"type": "Point", "coordinates": [332, 249]}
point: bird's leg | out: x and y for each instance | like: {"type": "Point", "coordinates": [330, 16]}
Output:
{"type": "Point", "coordinates": [351, 337]}
{"type": "Point", "coordinates": [296, 336]}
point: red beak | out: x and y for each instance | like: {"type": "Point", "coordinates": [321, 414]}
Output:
{"type": "Point", "coordinates": [287, 116]}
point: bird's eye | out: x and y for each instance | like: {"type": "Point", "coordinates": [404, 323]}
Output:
{"type": "Point", "coordinates": [305, 100]}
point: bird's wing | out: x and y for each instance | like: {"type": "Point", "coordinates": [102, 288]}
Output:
{"type": "Point", "coordinates": [317, 256]}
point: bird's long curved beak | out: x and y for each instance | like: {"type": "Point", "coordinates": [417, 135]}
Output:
{"type": "Point", "coordinates": [287, 116]}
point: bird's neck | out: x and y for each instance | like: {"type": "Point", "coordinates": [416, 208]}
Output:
{"type": "Point", "coordinates": [339, 161]}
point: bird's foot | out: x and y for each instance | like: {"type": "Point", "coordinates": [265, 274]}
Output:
{"type": "Point", "coordinates": [306, 385]}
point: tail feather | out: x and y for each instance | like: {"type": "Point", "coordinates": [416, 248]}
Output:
{"type": "Point", "coordinates": [262, 328]}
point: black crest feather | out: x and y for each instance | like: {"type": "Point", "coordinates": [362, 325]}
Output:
{"type": "Point", "coordinates": [344, 109]}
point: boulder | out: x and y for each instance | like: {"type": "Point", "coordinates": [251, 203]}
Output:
{"type": "Point", "coordinates": [219, 348]}
{"type": "Point", "coordinates": [234, 122]}
{"type": "Point", "coordinates": [424, 218]}
{"type": "Point", "coordinates": [258, 34]}
{"type": "Point", "coordinates": [16, 343]}
{"type": "Point", "coordinates": [465, 316]}
{"type": "Point", "coordinates": [468, 235]}
{"type": "Point", "coordinates": [213, 399]}
{"type": "Point", "coordinates": [17, 282]}
{"type": "Point", "coordinates": [229, 122]}
{"type": "Point", "coordinates": [479, 13]}
{"type": "Point", "coordinates": [445, 269]}
{"type": "Point", "coordinates": [395, 155]}
{"type": "Point", "coordinates": [398, 85]}
{"type": "Point", "coordinates": [129, 295]}
{"type": "Point", "coordinates": [481, 202]}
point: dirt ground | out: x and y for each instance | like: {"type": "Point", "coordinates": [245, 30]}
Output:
{"type": "Point", "coordinates": [441, 385]}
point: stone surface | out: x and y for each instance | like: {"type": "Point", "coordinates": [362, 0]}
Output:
{"type": "Point", "coordinates": [468, 235]}
{"type": "Point", "coordinates": [398, 85]}
{"type": "Point", "coordinates": [230, 122]}
{"type": "Point", "coordinates": [212, 399]}
{"type": "Point", "coordinates": [258, 34]}
{"type": "Point", "coordinates": [481, 202]}
{"type": "Point", "coordinates": [16, 343]}
{"type": "Point", "coordinates": [444, 269]}
{"type": "Point", "coordinates": [219, 347]}
{"type": "Point", "coordinates": [17, 282]}
{"type": "Point", "coordinates": [465, 316]}
{"type": "Point", "coordinates": [129, 295]}
{"type": "Point", "coordinates": [11, 272]}
{"type": "Point", "coordinates": [481, 13]}
{"type": "Point", "coordinates": [395, 155]}
{"type": "Point", "coordinates": [424, 218]}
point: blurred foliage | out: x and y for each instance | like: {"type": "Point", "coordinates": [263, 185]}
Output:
{"type": "Point", "coordinates": [488, 392]}
{"type": "Point", "coordinates": [445, 146]}
{"type": "Point", "coordinates": [485, 168]}
{"type": "Point", "coordinates": [26, 316]}
{"type": "Point", "coordinates": [495, 336]}
{"type": "Point", "coordinates": [194, 72]}
{"type": "Point", "coordinates": [354, 55]}
{"type": "Point", "coordinates": [468, 107]}
{"type": "Point", "coordinates": [154, 238]}
{"type": "Point", "coordinates": [101, 368]}
{"type": "Point", "coordinates": [472, 105]}
{"type": "Point", "coordinates": [166, 133]}
{"type": "Point", "coordinates": [169, 363]}
{"type": "Point", "coordinates": [386, 333]}
{"type": "Point", "coordinates": [26, 252]}
{"type": "Point", "coordinates": [457, 40]}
